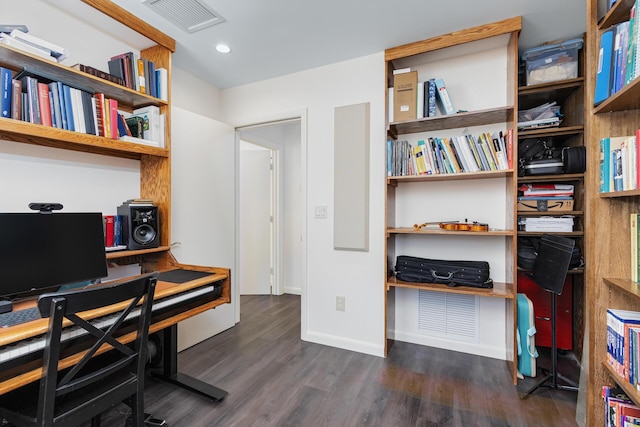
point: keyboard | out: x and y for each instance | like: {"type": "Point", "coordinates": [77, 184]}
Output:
{"type": "Point", "coordinates": [19, 316]}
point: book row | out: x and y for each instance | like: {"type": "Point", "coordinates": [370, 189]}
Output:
{"type": "Point", "coordinates": [623, 351]}
{"type": "Point", "coordinates": [38, 100]}
{"type": "Point", "coordinates": [619, 409]}
{"type": "Point", "coordinates": [457, 154]}
{"type": "Point", "coordinates": [140, 74]}
{"type": "Point", "coordinates": [619, 163]}
{"type": "Point", "coordinates": [112, 227]}
{"type": "Point", "coordinates": [618, 62]}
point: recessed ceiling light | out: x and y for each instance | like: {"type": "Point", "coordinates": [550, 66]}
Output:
{"type": "Point", "coordinates": [223, 48]}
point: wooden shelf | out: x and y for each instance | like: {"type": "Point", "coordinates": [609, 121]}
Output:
{"type": "Point", "coordinates": [612, 194]}
{"type": "Point", "coordinates": [563, 177]}
{"type": "Point", "coordinates": [395, 180]}
{"type": "Point", "coordinates": [29, 133]}
{"type": "Point", "coordinates": [625, 285]}
{"type": "Point", "coordinates": [534, 95]}
{"type": "Point", "coordinates": [619, 12]}
{"type": "Point", "coordinates": [627, 98]}
{"type": "Point", "coordinates": [550, 213]}
{"type": "Point", "coordinates": [624, 384]}
{"type": "Point", "coordinates": [548, 132]}
{"type": "Point", "coordinates": [127, 253]}
{"type": "Point", "coordinates": [441, 232]}
{"type": "Point", "coordinates": [557, 233]}
{"type": "Point", "coordinates": [499, 290]}
{"type": "Point", "coordinates": [452, 121]}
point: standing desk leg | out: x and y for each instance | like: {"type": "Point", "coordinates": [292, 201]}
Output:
{"type": "Point", "coordinates": [170, 369]}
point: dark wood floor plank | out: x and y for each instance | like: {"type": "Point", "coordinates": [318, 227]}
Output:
{"type": "Point", "coordinates": [275, 379]}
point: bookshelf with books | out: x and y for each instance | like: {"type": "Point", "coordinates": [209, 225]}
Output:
{"type": "Point", "coordinates": [154, 162]}
{"type": "Point", "coordinates": [608, 237]}
{"type": "Point", "coordinates": [569, 96]}
{"type": "Point", "coordinates": [463, 188]}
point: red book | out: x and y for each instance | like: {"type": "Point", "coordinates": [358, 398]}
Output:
{"type": "Point", "coordinates": [43, 101]}
{"type": "Point", "coordinates": [100, 113]}
{"type": "Point", "coordinates": [113, 117]}
{"type": "Point", "coordinates": [109, 231]}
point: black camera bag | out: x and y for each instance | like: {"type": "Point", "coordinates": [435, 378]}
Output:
{"type": "Point", "coordinates": [450, 273]}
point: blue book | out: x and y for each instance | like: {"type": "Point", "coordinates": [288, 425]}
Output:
{"type": "Point", "coordinates": [431, 98]}
{"type": "Point", "coordinates": [7, 87]}
{"type": "Point", "coordinates": [605, 165]}
{"type": "Point", "coordinates": [63, 109]}
{"type": "Point", "coordinates": [604, 70]}
{"type": "Point", "coordinates": [117, 230]}
{"type": "Point", "coordinates": [66, 90]}
{"type": "Point", "coordinates": [54, 99]}
{"type": "Point", "coordinates": [446, 106]}
{"type": "Point", "coordinates": [153, 89]}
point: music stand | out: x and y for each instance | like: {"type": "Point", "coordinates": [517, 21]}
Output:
{"type": "Point", "coordinates": [549, 272]}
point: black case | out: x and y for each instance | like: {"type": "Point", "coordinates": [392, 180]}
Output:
{"type": "Point", "coordinates": [550, 166]}
{"type": "Point", "coordinates": [450, 273]}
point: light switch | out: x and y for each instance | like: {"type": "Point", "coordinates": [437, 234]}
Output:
{"type": "Point", "coordinates": [321, 212]}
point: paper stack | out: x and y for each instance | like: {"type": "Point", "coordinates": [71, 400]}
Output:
{"type": "Point", "coordinates": [34, 45]}
{"type": "Point", "coordinates": [563, 224]}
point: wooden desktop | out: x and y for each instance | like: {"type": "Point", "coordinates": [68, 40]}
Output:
{"type": "Point", "coordinates": [16, 374]}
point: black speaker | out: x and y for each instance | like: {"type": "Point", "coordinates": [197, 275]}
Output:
{"type": "Point", "coordinates": [140, 226]}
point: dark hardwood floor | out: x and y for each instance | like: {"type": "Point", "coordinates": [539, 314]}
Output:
{"type": "Point", "coordinates": [275, 379]}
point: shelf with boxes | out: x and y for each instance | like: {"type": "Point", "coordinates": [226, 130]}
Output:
{"type": "Point", "coordinates": [559, 214]}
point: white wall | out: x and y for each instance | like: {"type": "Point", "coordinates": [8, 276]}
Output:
{"type": "Point", "coordinates": [358, 276]}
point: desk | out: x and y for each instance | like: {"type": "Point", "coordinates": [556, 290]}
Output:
{"type": "Point", "coordinates": [24, 370]}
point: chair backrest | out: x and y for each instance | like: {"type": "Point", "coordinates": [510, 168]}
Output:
{"type": "Point", "coordinates": [552, 263]}
{"type": "Point", "coordinates": [133, 298]}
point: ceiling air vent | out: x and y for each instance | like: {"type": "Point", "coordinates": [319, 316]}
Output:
{"type": "Point", "coordinates": [190, 15]}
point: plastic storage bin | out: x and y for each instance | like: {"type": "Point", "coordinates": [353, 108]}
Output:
{"type": "Point", "coordinates": [552, 62]}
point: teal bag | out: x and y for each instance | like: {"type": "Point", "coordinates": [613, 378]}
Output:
{"type": "Point", "coordinates": [525, 337]}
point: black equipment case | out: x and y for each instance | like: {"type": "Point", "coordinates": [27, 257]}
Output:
{"type": "Point", "coordinates": [450, 273]}
{"type": "Point", "coordinates": [550, 166]}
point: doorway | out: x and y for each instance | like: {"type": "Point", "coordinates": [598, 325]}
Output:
{"type": "Point", "coordinates": [270, 208]}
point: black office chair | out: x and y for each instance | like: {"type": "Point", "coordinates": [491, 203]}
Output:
{"type": "Point", "coordinates": [82, 390]}
{"type": "Point", "coordinates": [549, 272]}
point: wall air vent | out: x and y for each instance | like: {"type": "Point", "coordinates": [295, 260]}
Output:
{"type": "Point", "coordinates": [190, 15]}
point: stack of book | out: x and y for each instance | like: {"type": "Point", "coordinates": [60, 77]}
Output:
{"type": "Point", "coordinates": [623, 329]}
{"type": "Point", "coordinates": [620, 411]}
{"type": "Point", "coordinates": [140, 74]}
{"type": "Point", "coordinates": [619, 163]}
{"type": "Point", "coordinates": [35, 46]}
{"type": "Point", "coordinates": [112, 227]}
{"type": "Point", "coordinates": [457, 154]}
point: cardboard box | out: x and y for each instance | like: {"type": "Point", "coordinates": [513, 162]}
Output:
{"type": "Point", "coordinates": [405, 96]}
{"type": "Point", "coordinates": [545, 205]}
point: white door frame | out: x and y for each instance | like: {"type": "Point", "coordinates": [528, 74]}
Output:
{"type": "Point", "coordinates": [300, 115]}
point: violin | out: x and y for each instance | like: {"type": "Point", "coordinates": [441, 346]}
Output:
{"type": "Point", "coordinates": [455, 226]}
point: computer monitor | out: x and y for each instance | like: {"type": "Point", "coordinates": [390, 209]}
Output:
{"type": "Point", "coordinates": [40, 252]}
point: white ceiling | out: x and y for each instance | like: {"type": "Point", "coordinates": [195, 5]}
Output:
{"type": "Point", "coordinates": [278, 37]}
